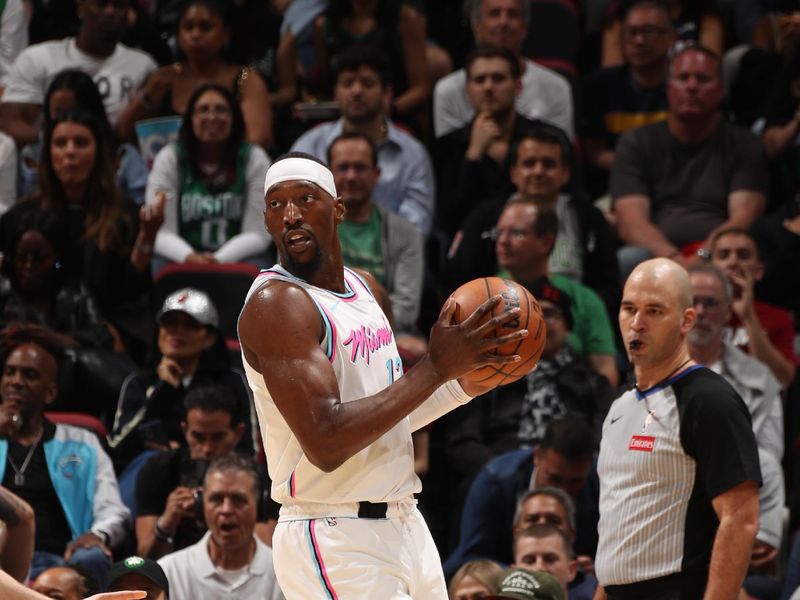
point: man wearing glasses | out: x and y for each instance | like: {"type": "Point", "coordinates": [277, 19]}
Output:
{"type": "Point", "coordinates": [750, 377]}
{"type": "Point", "coordinates": [525, 237]}
{"type": "Point", "coordinates": [761, 392]}
{"type": "Point", "coordinates": [632, 94]}
{"type": "Point", "coordinates": [372, 237]}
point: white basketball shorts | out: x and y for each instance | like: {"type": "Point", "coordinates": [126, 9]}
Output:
{"type": "Point", "coordinates": [348, 558]}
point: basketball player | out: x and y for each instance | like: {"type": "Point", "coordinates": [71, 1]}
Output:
{"type": "Point", "coordinates": [335, 414]}
{"type": "Point", "coordinates": [678, 465]}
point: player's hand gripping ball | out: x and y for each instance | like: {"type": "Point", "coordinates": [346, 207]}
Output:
{"type": "Point", "coordinates": [474, 293]}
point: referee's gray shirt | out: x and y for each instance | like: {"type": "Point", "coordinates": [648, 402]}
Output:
{"type": "Point", "coordinates": [666, 452]}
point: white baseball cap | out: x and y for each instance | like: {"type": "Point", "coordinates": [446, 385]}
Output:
{"type": "Point", "coordinates": [194, 303]}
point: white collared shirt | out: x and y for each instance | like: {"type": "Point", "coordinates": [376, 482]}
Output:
{"type": "Point", "coordinates": [192, 575]}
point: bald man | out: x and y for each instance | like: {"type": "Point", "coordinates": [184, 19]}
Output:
{"type": "Point", "coordinates": [64, 583]}
{"type": "Point", "coordinates": [678, 466]}
{"type": "Point", "coordinates": [61, 471]}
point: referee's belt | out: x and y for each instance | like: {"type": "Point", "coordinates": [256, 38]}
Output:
{"type": "Point", "coordinates": [372, 510]}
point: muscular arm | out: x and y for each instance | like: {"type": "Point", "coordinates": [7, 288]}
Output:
{"type": "Point", "coordinates": [737, 510]}
{"type": "Point", "coordinates": [303, 385]}
{"type": "Point", "coordinates": [20, 523]}
{"type": "Point", "coordinates": [635, 227]}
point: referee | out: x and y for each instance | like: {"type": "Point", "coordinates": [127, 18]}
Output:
{"type": "Point", "coordinates": [678, 465]}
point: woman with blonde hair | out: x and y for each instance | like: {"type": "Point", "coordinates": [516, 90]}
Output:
{"type": "Point", "coordinates": [475, 580]}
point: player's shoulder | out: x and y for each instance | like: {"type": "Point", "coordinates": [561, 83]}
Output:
{"type": "Point", "coordinates": [273, 294]}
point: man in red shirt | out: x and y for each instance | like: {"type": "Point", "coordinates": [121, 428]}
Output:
{"type": "Point", "coordinates": [762, 330]}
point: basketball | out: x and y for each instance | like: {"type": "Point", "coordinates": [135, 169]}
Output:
{"type": "Point", "coordinates": [474, 293]}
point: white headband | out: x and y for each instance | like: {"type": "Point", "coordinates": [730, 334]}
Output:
{"type": "Point", "coordinates": [294, 169]}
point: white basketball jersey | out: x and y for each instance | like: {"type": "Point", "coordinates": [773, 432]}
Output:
{"type": "Point", "coordinates": [360, 345]}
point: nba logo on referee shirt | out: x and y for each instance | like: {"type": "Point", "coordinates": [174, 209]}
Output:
{"type": "Point", "coordinates": [644, 443]}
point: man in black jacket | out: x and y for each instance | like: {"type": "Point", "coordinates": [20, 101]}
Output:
{"type": "Point", "coordinates": [472, 162]}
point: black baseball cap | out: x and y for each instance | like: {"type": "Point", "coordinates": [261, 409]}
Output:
{"type": "Point", "coordinates": [543, 289]}
{"type": "Point", "coordinates": [140, 566]}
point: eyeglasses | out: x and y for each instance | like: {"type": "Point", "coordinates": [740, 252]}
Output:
{"type": "Point", "coordinates": [515, 233]}
{"type": "Point", "coordinates": [648, 32]}
{"type": "Point", "coordinates": [707, 303]}
{"type": "Point", "coordinates": [203, 110]}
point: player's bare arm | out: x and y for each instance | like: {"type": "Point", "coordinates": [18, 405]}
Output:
{"type": "Point", "coordinates": [281, 329]}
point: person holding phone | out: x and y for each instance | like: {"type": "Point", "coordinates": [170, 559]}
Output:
{"type": "Point", "coordinates": [169, 490]}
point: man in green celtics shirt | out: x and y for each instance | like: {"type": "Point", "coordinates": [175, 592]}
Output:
{"type": "Point", "coordinates": [374, 239]}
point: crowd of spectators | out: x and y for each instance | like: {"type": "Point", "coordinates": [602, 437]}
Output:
{"type": "Point", "coordinates": [558, 144]}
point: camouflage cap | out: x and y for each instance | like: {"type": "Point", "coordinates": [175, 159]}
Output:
{"type": "Point", "coordinates": [521, 584]}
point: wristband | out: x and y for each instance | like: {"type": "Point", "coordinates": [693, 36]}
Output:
{"type": "Point", "coordinates": [102, 535]}
{"type": "Point", "coordinates": [454, 391]}
{"type": "Point", "coordinates": [163, 536]}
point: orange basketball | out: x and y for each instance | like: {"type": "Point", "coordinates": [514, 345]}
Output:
{"type": "Point", "coordinates": [474, 293]}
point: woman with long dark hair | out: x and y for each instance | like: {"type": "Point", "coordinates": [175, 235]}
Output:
{"type": "Point", "coordinates": [110, 240]}
{"type": "Point", "coordinates": [212, 180]}
{"type": "Point", "coordinates": [69, 90]}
